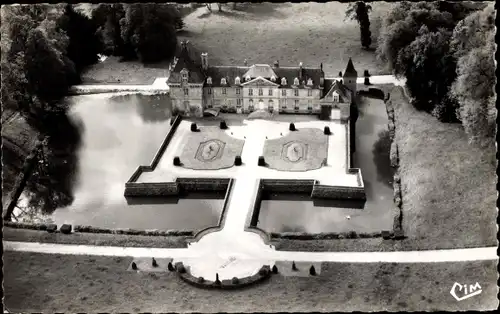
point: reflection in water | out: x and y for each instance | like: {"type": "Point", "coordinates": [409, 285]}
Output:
{"type": "Point", "coordinates": [106, 140]}
{"type": "Point", "coordinates": [381, 158]}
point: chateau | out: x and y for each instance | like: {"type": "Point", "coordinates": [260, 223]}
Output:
{"type": "Point", "coordinates": [196, 86]}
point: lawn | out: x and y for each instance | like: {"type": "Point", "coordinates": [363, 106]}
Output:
{"type": "Point", "coordinates": [307, 32]}
{"type": "Point", "coordinates": [25, 235]}
{"type": "Point", "coordinates": [38, 282]}
{"type": "Point", "coordinates": [302, 150]}
{"type": "Point", "coordinates": [448, 186]}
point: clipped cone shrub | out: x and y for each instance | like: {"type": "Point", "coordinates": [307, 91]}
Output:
{"type": "Point", "coordinates": [194, 128]}
{"type": "Point", "coordinates": [170, 266]}
{"type": "Point", "coordinates": [154, 263]}
{"type": "Point", "coordinates": [312, 271]}
{"type": "Point", "coordinates": [294, 267]}
{"type": "Point", "coordinates": [340, 74]}
{"type": "Point", "coordinates": [201, 279]}
{"type": "Point", "coordinates": [217, 280]}
{"type": "Point", "coordinates": [237, 161]}
{"type": "Point", "coordinates": [366, 73]}
{"type": "Point", "coordinates": [326, 130]}
{"type": "Point", "coordinates": [177, 161]}
{"type": "Point", "coordinates": [134, 266]}
{"type": "Point", "coordinates": [223, 125]}
{"type": "Point", "coordinates": [235, 280]}
{"type": "Point", "coordinates": [51, 228]}
{"type": "Point", "coordinates": [292, 127]}
{"type": "Point", "coordinates": [367, 81]}
{"type": "Point", "coordinates": [65, 228]}
{"type": "Point", "coordinates": [262, 161]}
{"type": "Point", "coordinates": [275, 269]}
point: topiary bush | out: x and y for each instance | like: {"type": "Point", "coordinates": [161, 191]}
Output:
{"type": "Point", "coordinates": [326, 130]}
{"type": "Point", "coordinates": [235, 280]}
{"type": "Point", "coordinates": [294, 267]}
{"type": "Point", "coordinates": [65, 228]}
{"type": "Point", "coordinates": [263, 271]}
{"type": "Point", "coordinates": [217, 280]}
{"type": "Point", "coordinates": [237, 161]}
{"type": "Point", "coordinates": [366, 73]}
{"type": "Point", "coordinates": [177, 161]}
{"type": "Point", "coordinates": [262, 161]}
{"type": "Point", "coordinates": [51, 228]}
{"type": "Point", "coordinates": [312, 271]}
{"type": "Point", "coordinates": [275, 269]}
{"type": "Point", "coordinates": [223, 125]}
{"type": "Point", "coordinates": [367, 81]}
{"type": "Point", "coordinates": [201, 280]}
{"type": "Point", "coordinates": [194, 127]}
{"type": "Point", "coordinates": [386, 235]}
{"type": "Point", "coordinates": [134, 266]}
{"type": "Point", "coordinates": [292, 127]}
{"type": "Point", "coordinates": [340, 74]}
{"type": "Point", "coordinates": [154, 263]}
{"type": "Point", "coordinates": [170, 266]}
{"type": "Point", "coordinates": [180, 268]}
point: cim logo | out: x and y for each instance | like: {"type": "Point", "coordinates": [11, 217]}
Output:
{"type": "Point", "coordinates": [467, 291]}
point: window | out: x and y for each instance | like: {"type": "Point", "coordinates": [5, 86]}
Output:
{"type": "Point", "coordinates": [296, 104]}
{"type": "Point", "coordinates": [296, 92]}
{"type": "Point", "coordinates": [184, 75]}
{"type": "Point", "coordinates": [186, 91]}
{"type": "Point", "coordinates": [224, 91]}
{"type": "Point", "coordinates": [209, 80]}
{"type": "Point", "coordinates": [260, 92]}
{"type": "Point", "coordinates": [309, 82]}
{"type": "Point", "coordinates": [283, 92]}
{"type": "Point", "coordinates": [209, 91]}
{"type": "Point", "coordinates": [250, 92]}
{"type": "Point", "coordinates": [270, 106]}
{"type": "Point", "coordinates": [309, 105]}
{"type": "Point", "coordinates": [283, 103]}
{"type": "Point", "coordinates": [237, 80]}
{"type": "Point", "coordinates": [283, 81]}
{"type": "Point", "coordinates": [239, 102]}
{"type": "Point", "coordinates": [270, 92]}
{"type": "Point", "coordinates": [223, 81]}
{"type": "Point", "coordinates": [336, 98]}
{"type": "Point", "coordinates": [296, 81]}
{"type": "Point", "coordinates": [238, 91]}
{"type": "Point", "coordinates": [309, 92]}
{"type": "Point", "coordinates": [250, 105]}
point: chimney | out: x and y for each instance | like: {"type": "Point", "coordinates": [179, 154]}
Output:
{"type": "Point", "coordinates": [300, 70]}
{"type": "Point", "coordinates": [321, 66]}
{"type": "Point", "coordinates": [204, 61]}
{"type": "Point", "coordinates": [245, 62]}
{"type": "Point", "coordinates": [276, 64]}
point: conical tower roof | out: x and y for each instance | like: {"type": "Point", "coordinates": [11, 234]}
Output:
{"type": "Point", "coordinates": [349, 70]}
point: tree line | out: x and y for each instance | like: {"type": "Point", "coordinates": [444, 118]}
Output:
{"type": "Point", "coordinates": [445, 50]}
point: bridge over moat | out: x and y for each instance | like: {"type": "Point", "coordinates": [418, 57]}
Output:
{"type": "Point", "coordinates": [233, 239]}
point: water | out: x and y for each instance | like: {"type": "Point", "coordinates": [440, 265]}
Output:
{"type": "Point", "coordinates": [300, 214]}
{"type": "Point", "coordinates": [114, 135]}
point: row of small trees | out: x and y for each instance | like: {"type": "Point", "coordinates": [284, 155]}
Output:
{"type": "Point", "coordinates": [445, 50]}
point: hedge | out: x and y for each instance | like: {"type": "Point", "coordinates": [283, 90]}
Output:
{"type": "Point", "coordinates": [90, 229]}
{"type": "Point", "coordinates": [324, 236]}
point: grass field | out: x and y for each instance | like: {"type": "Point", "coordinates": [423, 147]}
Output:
{"type": "Point", "coordinates": [448, 186]}
{"type": "Point", "coordinates": [12, 234]}
{"type": "Point", "coordinates": [307, 32]}
{"type": "Point", "coordinates": [65, 283]}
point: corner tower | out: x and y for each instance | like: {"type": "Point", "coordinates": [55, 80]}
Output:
{"type": "Point", "coordinates": [350, 77]}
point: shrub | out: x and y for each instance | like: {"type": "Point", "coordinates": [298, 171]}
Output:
{"type": "Point", "coordinates": [66, 229]}
{"type": "Point", "coordinates": [367, 81]}
{"type": "Point", "coordinates": [294, 267]}
{"type": "Point", "coordinates": [352, 235]}
{"type": "Point", "coordinates": [201, 279]}
{"type": "Point", "coordinates": [51, 228]}
{"type": "Point", "coordinates": [237, 161]}
{"type": "Point", "coordinates": [262, 161]}
{"type": "Point", "coordinates": [366, 73]}
{"type": "Point", "coordinates": [217, 280]}
{"type": "Point", "coordinates": [180, 268]}
{"type": "Point", "coordinates": [275, 269]}
{"type": "Point", "coordinates": [340, 74]}
{"type": "Point", "coordinates": [154, 263]}
{"type": "Point", "coordinates": [386, 235]}
{"type": "Point", "coordinates": [134, 266]}
{"type": "Point", "coordinates": [235, 280]}
{"type": "Point", "coordinates": [177, 161]}
{"type": "Point", "coordinates": [312, 271]}
{"type": "Point", "coordinates": [170, 266]}
{"type": "Point", "coordinates": [326, 130]}
{"type": "Point", "coordinates": [194, 127]}
{"type": "Point", "coordinates": [223, 125]}
{"type": "Point", "coordinates": [292, 127]}
{"type": "Point", "coordinates": [263, 271]}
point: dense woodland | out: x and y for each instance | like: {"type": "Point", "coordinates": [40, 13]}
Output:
{"type": "Point", "coordinates": [445, 50]}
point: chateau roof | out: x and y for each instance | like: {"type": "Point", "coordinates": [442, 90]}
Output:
{"type": "Point", "coordinates": [332, 85]}
{"type": "Point", "coordinates": [349, 70]}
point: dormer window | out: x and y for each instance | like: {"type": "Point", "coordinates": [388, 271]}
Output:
{"type": "Point", "coordinates": [309, 82]}
{"type": "Point", "coordinates": [237, 80]}
{"type": "Point", "coordinates": [283, 81]}
{"type": "Point", "coordinates": [209, 80]}
{"type": "Point", "coordinates": [184, 74]}
{"type": "Point", "coordinates": [247, 78]}
{"type": "Point", "coordinates": [296, 81]}
{"type": "Point", "coordinates": [223, 81]}
{"type": "Point", "coordinates": [273, 78]}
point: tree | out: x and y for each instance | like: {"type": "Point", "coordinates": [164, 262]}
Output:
{"type": "Point", "coordinates": [359, 11]}
{"type": "Point", "coordinates": [150, 30]}
{"type": "Point", "coordinates": [220, 6]}
{"type": "Point", "coordinates": [107, 17]}
{"type": "Point", "coordinates": [474, 88]}
{"type": "Point", "coordinates": [209, 6]}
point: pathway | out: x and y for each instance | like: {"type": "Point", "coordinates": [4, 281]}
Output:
{"type": "Point", "coordinates": [429, 256]}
